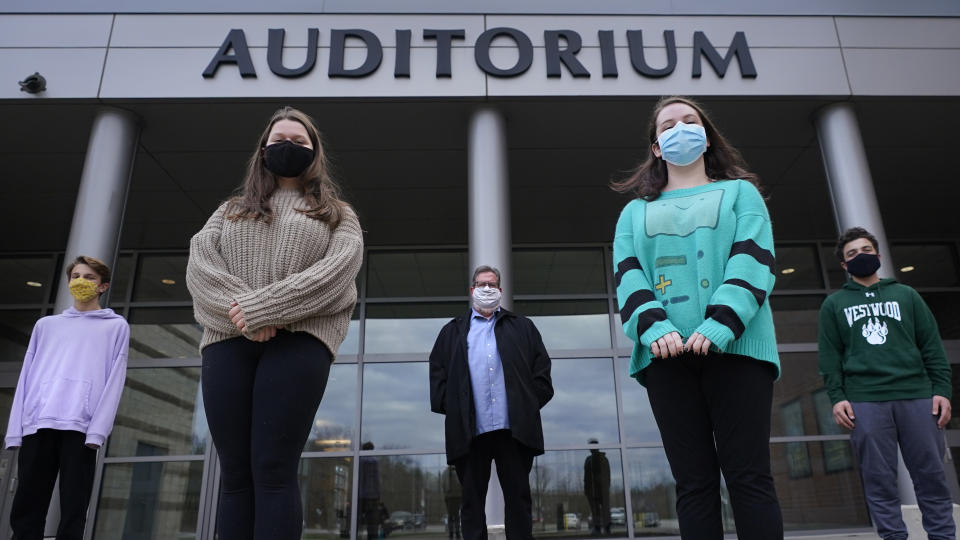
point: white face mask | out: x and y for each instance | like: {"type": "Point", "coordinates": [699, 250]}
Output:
{"type": "Point", "coordinates": [486, 298]}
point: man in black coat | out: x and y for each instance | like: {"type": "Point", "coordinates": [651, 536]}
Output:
{"type": "Point", "coordinates": [490, 376]}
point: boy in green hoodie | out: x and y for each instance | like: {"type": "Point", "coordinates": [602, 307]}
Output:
{"type": "Point", "coordinates": [888, 378]}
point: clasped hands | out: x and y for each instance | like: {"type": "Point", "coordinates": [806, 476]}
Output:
{"type": "Point", "coordinates": [672, 345]}
{"type": "Point", "coordinates": [236, 317]}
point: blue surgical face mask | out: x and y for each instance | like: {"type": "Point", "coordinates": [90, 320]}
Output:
{"type": "Point", "coordinates": [683, 143]}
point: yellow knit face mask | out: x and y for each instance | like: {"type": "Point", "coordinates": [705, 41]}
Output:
{"type": "Point", "coordinates": [82, 289]}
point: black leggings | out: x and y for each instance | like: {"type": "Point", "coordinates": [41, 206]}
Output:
{"type": "Point", "coordinates": [713, 412]}
{"type": "Point", "coordinates": [260, 401]}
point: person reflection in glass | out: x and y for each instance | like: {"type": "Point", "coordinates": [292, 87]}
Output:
{"type": "Point", "coordinates": [596, 486]}
{"type": "Point", "coordinates": [369, 493]}
{"type": "Point", "coordinates": [453, 494]}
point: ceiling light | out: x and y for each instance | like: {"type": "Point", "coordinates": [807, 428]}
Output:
{"type": "Point", "coordinates": [788, 270]}
{"type": "Point", "coordinates": [907, 269]}
{"type": "Point", "coordinates": [168, 282]}
{"type": "Point", "coordinates": [34, 284]}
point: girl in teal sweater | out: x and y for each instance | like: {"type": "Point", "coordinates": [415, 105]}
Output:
{"type": "Point", "coordinates": [694, 268]}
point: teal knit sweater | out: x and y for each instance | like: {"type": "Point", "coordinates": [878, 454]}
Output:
{"type": "Point", "coordinates": [697, 260]}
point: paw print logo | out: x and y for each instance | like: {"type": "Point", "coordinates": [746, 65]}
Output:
{"type": "Point", "coordinates": [875, 332]}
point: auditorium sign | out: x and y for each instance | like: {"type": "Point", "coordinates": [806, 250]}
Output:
{"type": "Point", "coordinates": [560, 53]}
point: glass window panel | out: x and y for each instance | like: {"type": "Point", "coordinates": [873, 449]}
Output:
{"type": "Point", "coordinates": [837, 455]}
{"type": "Point", "coordinates": [146, 501]}
{"type": "Point", "coordinates": [6, 402]}
{"type": "Point", "coordinates": [164, 333]}
{"type": "Point", "coordinates": [161, 278]}
{"type": "Point", "coordinates": [351, 343]}
{"type": "Point", "coordinates": [15, 329]}
{"type": "Point", "coordinates": [406, 328]}
{"type": "Point", "coordinates": [796, 317]}
{"type": "Point", "coordinates": [926, 265]}
{"type": "Point", "coordinates": [797, 457]}
{"type": "Point", "coordinates": [405, 497]}
{"type": "Point", "coordinates": [822, 499]}
{"type": "Point", "coordinates": [396, 407]}
{"type": "Point", "coordinates": [161, 412]}
{"type": "Point", "coordinates": [333, 428]}
{"type": "Point", "coordinates": [955, 419]}
{"type": "Point", "coordinates": [425, 273]}
{"type": "Point", "coordinates": [944, 308]}
{"type": "Point", "coordinates": [955, 469]}
{"type": "Point", "coordinates": [654, 496]}
{"type": "Point", "coordinates": [798, 268]}
{"type": "Point", "coordinates": [565, 485]}
{"type": "Point", "coordinates": [325, 486]}
{"type": "Point", "coordinates": [639, 425]}
{"type": "Point", "coordinates": [622, 341]}
{"type": "Point", "coordinates": [799, 381]}
{"type": "Point", "coordinates": [584, 404]}
{"type": "Point", "coordinates": [120, 280]}
{"type": "Point", "coordinates": [569, 324]}
{"type": "Point", "coordinates": [558, 271]}
{"type": "Point", "coordinates": [29, 278]}
{"type": "Point", "coordinates": [835, 274]}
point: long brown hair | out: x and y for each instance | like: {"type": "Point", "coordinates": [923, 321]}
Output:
{"type": "Point", "coordinates": [721, 160]}
{"type": "Point", "coordinates": [321, 193]}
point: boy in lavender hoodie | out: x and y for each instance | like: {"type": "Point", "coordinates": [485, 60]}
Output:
{"type": "Point", "coordinates": [66, 400]}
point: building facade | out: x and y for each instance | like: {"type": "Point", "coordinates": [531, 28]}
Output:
{"type": "Point", "coordinates": [484, 132]}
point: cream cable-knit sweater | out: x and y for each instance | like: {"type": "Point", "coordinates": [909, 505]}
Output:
{"type": "Point", "coordinates": [294, 272]}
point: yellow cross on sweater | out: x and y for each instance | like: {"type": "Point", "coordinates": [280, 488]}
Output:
{"type": "Point", "coordinates": [662, 286]}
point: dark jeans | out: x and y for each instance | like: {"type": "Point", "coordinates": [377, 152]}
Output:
{"type": "Point", "coordinates": [713, 412]}
{"type": "Point", "coordinates": [260, 400]}
{"type": "Point", "coordinates": [879, 428]}
{"type": "Point", "coordinates": [514, 462]}
{"type": "Point", "coordinates": [453, 516]}
{"type": "Point", "coordinates": [41, 456]}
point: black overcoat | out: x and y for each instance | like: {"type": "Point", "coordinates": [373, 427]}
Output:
{"type": "Point", "coordinates": [526, 375]}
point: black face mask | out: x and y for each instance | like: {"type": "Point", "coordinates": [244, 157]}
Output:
{"type": "Point", "coordinates": [286, 159]}
{"type": "Point", "coordinates": [863, 265]}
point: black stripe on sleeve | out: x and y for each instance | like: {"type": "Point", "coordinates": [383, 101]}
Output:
{"type": "Point", "coordinates": [726, 316]}
{"type": "Point", "coordinates": [759, 294]}
{"type": "Point", "coordinates": [630, 263]}
{"type": "Point", "coordinates": [749, 247]}
{"type": "Point", "coordinates": [649, 316]}
{"type": "Point", "coordinates": [635, 300]}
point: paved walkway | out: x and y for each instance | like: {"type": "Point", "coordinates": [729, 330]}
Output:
{"type": "Point", "coordinates": [843, 536]}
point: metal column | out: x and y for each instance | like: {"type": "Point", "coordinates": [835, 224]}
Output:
{"type": "Point", "coordinates": [102, 198]}
{"type": "Point", "coordinates": [97, 218]}
{"type": "Point", "coordinates": [855, 203]}
{"type": "Point", "coordinates": [490, 242]}
{"type": "Point", "coordinates": [848, 175]}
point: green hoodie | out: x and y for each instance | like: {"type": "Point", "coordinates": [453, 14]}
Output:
{"type": "Point", "coordinates": [880, 343]}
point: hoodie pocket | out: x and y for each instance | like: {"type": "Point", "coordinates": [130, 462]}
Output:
{"type": "Point", "coordinates": [65, 400]}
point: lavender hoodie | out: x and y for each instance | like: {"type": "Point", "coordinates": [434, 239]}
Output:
{"type": "Point", "coordinates": [72, 376]}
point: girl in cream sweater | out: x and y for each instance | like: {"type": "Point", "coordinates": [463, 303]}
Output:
{"type": "Point", "coordinates": [272, 275]}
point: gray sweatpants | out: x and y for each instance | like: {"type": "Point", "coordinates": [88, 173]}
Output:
{"type": "Point", "coordinates": [878, 426]}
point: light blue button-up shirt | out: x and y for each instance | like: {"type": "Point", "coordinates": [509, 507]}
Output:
{"type": "Point", "coordinates": [486, 374]}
